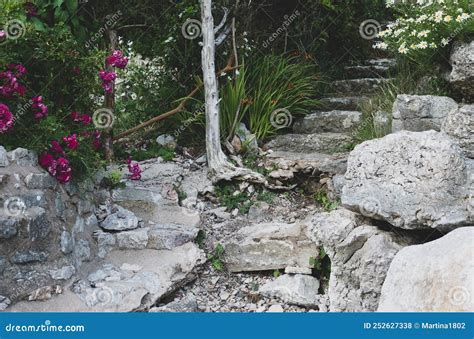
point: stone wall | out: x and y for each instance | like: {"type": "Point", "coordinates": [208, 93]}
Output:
{"type": "Point", "coordinates": [45, 228]}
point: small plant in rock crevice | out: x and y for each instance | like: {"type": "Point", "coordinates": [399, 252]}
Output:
{"type": "Point", "coordinates": [321, 267]}
{"type": "Point", "coordinates": [215, 257]}
{"type": "Point", "coordinates": [321, 197]}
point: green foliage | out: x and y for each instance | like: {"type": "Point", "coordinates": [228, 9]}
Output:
{"type": "Point", "coordinates": [266, 196]}
{"type": "Point", "coordinates": [201, 236]}
{"type": "Point", "coordinates": [321, 264]}
{"type": "Point", "coordinates": [216, 256]}
{"type": "Point", "coordinates": [150, 151]}
{"type": "Point", "coordinates": [232, 109]}
{"type": "Point", "coordinates": [276, 82]}
{"type": "Point", "coordinates": [230, 197]}
{"type": "Point", "coordinates": [321, 197]}
{"type": "Point", "coordinates": [276, 273]}
{"type": "Point", "coordinates": [426, 28]}
{"type": "Point", "coordinates": [113, 179]}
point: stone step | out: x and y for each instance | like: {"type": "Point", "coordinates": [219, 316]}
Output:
{"type": "Point", "coordinates": [330, 121]}
{"type": "Point", "coordinates": [359, 86]}
{"type": "Point", "coordinates": [126, 281]}
{"type": "Point", "coordinates": [311, 143]}
{"type": "Point", "coordinates": [349, 103]}
{"type": "Point", "coordinates": [355, 72]}
{"type": "Point", "coordinates": [308, 162]}
{"type": "Point", "coordinates": [384, 62]}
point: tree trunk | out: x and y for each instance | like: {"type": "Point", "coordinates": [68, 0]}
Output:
{"type": "Point", "coordinates": [216, 158]}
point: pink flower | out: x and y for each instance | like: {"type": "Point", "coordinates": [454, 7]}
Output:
{"type": "Point", "coordinates": [108, 79]}
{"type": "Point", "coordinates": [19, 69]}
{"type": "Point", "coordinates": [41, 109]}
{"type": "Point", "coordinates": [6, 118]}
{"type": "Point", "coordinates": [31, 10]}
{"type": "Point", "coordinates": [134, 169]}
{"type": "Point", "coordinates": [76, 116]}
{"type": "Point", "coordinates": [63, 170]}
{"type": "Point", "coordinates": [117, 60]}
{"type": "Point", "coordinates": [11, 85]}
{"type": "Point", "coordinates": [45, 160]}
{"type": "Point", "coordinates": [86, 119]}
{"type": "Point", "coordinates": [71, 141]}
{"type": "Point", "coordinates": [56, 148]}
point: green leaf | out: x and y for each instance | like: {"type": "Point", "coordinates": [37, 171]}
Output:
{"type": "Point", "coordinates": [38, 24]}
{"type": "Point", "coordinates": [71, 5]}
{"type": "Point", "coordinates": [58, 3]}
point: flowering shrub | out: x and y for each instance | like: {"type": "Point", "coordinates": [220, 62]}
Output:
{"type": "Point", "coordinates": [134, 169]}
{"type": "Point", "coordinates": [426, 25]}
{"type": "Point", "coordinates": [6, 118]}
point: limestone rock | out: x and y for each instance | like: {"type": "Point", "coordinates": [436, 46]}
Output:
{"type": "Point", "coordinates": [169, 236]}
{"type": "Point", "coordinates": [64, 273]}
{"type": "Point", "coordinates": [330, 121]}
{"type": "Point", "coordinates": [437, 276]}
{"type": "Point", "coordinates": [135, 239]}
{"type": "Point", "coordinates": [268, 246]}
{"type": "Point", "coordinates": [187, 304]}
{"type": "Point", "coordinates": [296, 289]}
{"type": "Point", "coordinates": [419, 113]}
{"type": "Point", "coordinates": [360, 257]}
{"type": "Point", "coordinates": [459, 125]}
{"type": "Point", "coordinates": [121, 220]}
{"type": "Point", "coordinates": [410, 179]}
{"type": "Point", "coordinates": [462, 73]}
{"type": "Point", "coordinates": [3, 157]}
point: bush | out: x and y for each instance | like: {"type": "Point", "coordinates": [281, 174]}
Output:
{"type": "Point", "coordinates": [427, 27]}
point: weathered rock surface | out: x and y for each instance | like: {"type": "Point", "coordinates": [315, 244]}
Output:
{"type": "Point", "coordinates": [169, 236]}
{"type": "Point", "coordinates": [419, 113]}
{"type": "Point", "coordinates": [410, 179]}
{"type": "Point", "coordinates": [360, 86]}
{"type": "Point", "coordinates": [311, 143]}
{"type": "Point", "coordinates": [121, 220]}
{"type": "Point", "coordinates": [331, 121]}
{"type": "Point", "coordinates": [459, 125]}
{"type": "Point", "coordinates": [119, 289]}
{"type": "Point", "coordinates": [437, 276]}
{"type": "Point", "coordinates": [462, 73]}
{"type": "Point", "coordinates": [296, 289]}
{"type": "Point", "coordinates": [344, 103]}
{"type": "Point", "coordinates": [269, 246]}
{"type": "Point", "coordinates": [360, 257]}
{"type": "Point", "coordinates": [308, 162]}
{"type": "Point", "coordinates": [187, 304]}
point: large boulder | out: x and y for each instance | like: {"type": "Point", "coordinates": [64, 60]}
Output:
{"type": "Point", "coordinates": [360, 257]}
{"type": "Point", "coordinates": [269, 246]}
{"type": "Point", "coordinates": [419, 113]}
{"type": "Point", "coordinates": [462, 73]}
{"type": "Point", "coordinates": [459, 125]}
{"type": "Point", "coordinates": [410, 179]}
{"type": "Point", "coordinates": [434, 277]}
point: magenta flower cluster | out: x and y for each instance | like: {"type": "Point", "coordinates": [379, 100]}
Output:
{"type": "Point", "coordinates": [134, 169]}
{"type": "Point", "coordinates": [116, 59]}
{"type": "Point", "coordinates": [6, 118]}
{"type": "Point", "coordinates": [10, 84]}
{"type": "Point", "coordinates": [108, 79]}
{"type": "Point", "coordinates": [56, 163]}
{"type": "Point", "coordinates": [40, 109]}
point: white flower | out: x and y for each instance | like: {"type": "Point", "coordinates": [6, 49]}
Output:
{"type": "Point", "coordinates": [423, 34]}
{"type": "Point", "coordinates": [134, 96]}
{"type": "Point", "coordinates": [444, 42]}
{"type": "Point", "coordinates": [448, 18]}
{"type": "Point", "coordinates": [403, 49]}
{"type": "Point", "coordinates": [438, 16]}
{"type": "Point", "coordinates": [423, 45]}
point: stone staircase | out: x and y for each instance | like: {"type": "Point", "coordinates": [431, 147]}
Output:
{"type": "Point", "coordinates": [320, 141]}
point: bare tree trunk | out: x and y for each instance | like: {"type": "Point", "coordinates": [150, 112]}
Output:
{"type": "Point", "coordinates": [216, 158]}
{"type": "Point", "coordinates": [219, 167]}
